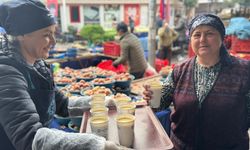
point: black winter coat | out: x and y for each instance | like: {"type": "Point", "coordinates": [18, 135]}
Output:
{"type": "Point", "coordinates": [28, 101]}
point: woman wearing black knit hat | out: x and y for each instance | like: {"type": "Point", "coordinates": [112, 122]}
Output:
{"type": "Point", "coordinates": [29, 98]}
{"type": "Point", "coordinates": [210, 93]}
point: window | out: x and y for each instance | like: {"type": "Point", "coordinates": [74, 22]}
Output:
{"type": "Point", "coordinates": [74, 14]}
{"type": "Point", "coordinates": [91, 14]}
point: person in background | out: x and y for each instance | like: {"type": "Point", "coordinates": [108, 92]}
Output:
{"type": "Point", "coordinates": [210, 93]}
{"type": "Point", "coordinates": [166, 37]}
{"type": "Point", "coordinates": [131, 24]}
{"type": "Point", "coordinates": [159, 22]}
{"type": "Point", "coordinates": [114, 22]}
{"type": "Point", "coordinates": [131, 52]}
{"type": "Point", "coordinates": [29, 98]}
{"type": "Point", "coordinates": [180, 28]}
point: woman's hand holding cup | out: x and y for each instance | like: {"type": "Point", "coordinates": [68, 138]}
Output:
{"type": "Point", "coordinates": [147, 93]}
{"type": "Point", "coordinates": [152, 94]}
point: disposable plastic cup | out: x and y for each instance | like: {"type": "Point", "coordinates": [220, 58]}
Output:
{"type": "Point", "coordinates": [121, 100]}
{"type": "Point", "coordinates": [99, 125]}
{"type": "Point", "coordinates": [125, 125]}
{"type": "Point", "coordinates": [99, 110]}
{"type": "Point", "coordinates": [97, 104]}
{"type": "Point", "coordinates": [127, 108]}
{"type": "Point", "coordinates": [156, 97]}
{"type": "Point", "coordinates": [98, 97]}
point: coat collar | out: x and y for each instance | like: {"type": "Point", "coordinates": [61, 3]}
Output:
{"type": "Point", "coordinates": [124, 35]}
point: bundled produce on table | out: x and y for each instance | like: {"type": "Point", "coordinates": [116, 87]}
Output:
{"type": "Point", "coordinates": [66, 71]}
{"type": "Point", "coordinates": [104, 73]}
{"type": "Point", "coordinates": [123, 77]}
{"type": "Point", "coordinates": [102, 81]}
{"type": "Point", "coordinates": [123, 82]}
{"type": "Point", "coordinates": [78, 86]}
{"type": "Point", "coordinates": [75, 73]}
{"type": "Point", "coordinates": [63, 80]}
{"type": "Point", "coordinates": [106, 82]}
{"type": "Point", "coordinates": [98, 90]}
{"type": "Point", "coordinates": [90, 69]}
{"type": "Point", "coordinates": [87, 76]}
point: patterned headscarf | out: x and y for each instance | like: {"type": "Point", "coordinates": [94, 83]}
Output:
{"type": "Point", "coordinates": [213, 21]}
{"type": "Point", "coordinates": [207, 19]}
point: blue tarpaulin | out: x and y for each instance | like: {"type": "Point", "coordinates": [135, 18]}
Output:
{"type": "Point", "coordinates": [240, 27]}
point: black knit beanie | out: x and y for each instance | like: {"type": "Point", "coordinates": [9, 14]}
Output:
{"type": "Point", "coordinates": [19, 17]}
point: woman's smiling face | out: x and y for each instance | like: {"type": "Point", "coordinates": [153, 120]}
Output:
{"type": "Point", "coordinates": [36, 45]}
{"type": "Point", "coordinates": [206, 42]}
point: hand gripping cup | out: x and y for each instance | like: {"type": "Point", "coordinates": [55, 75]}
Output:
{"type": "Point", "coordinates": [99, 125]}
{"type": "Point", "coordinates": [156, 97]}
{"type": "Point", "coordinates": [125, 125]}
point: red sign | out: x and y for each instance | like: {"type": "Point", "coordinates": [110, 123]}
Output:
{"type": "Point", "coordinates": [133, 11]}
{"type": "Point", "coordinates": [164, 10]}
{"type": "Point", "coordinates": [53, 7]}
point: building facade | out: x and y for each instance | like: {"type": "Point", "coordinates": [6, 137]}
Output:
{"type": "Point", "coordinates": [78, 13]}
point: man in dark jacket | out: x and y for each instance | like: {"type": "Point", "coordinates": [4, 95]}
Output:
{"type": "Point", "coordinates": [132, 52]}
{"type": "Point", "coordinates": [180, 28]}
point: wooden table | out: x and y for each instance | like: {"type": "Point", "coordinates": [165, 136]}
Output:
{"type": "Point", "coordinates": [149, 134]}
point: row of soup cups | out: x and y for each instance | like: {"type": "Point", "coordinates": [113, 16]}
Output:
{"type": "Point", "coordinates": [99, 120]}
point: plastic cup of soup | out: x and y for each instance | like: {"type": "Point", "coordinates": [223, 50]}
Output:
{"type": "Point", "coordinates": [125, 125]}
{"type": "Point", "coordinates": [99, 110]}
{"type": "Point", "coordinates": [97, 104]}
{"type": "Point", "coordinates": [156, 88]}
{"type": "Point", "coordinates": [127, 108]}
{"type": "Point", "coordinates": [100, 125]}
{"type": "Point", "coordinates": [98, 97]}
{"type": "Point", "coordinates": [122, 100]}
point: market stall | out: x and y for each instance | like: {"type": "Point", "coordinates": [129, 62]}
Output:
{"type": "Point", "coordinates": [93, 81]}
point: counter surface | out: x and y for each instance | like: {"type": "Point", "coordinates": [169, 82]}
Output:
{"type": "Point", "coordinates": [149, 134]}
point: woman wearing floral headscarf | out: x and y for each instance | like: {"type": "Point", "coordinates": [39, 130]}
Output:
{"type": "Point", "coordinates": [210, 93]}
{"type": "Point", "coordinates": [28, 96]}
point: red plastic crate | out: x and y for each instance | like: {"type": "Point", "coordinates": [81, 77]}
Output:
{"type": "Point", "coordinates": [239, 45]}
{"type": "Point", "coordinates": [111, 48]}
